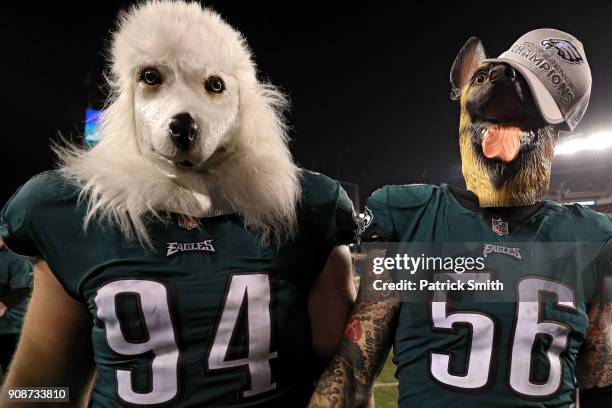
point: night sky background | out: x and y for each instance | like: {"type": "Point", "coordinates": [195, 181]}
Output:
{"type": "Point", "coordinates": [368, 81]}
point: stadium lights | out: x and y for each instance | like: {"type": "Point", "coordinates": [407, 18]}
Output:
{"type": "Point", "coordinates": [594, 142]}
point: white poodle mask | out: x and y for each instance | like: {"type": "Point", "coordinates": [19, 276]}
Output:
{"type": "Point", "coordinates": [180, 61]}
{"type": "Point", "coordinates": [239, 160]}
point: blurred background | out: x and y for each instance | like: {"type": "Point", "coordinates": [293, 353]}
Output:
{"type": "Point", "coordinates": [368, 83]}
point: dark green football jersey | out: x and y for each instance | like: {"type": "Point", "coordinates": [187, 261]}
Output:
{"type": "Point", "coordinates": [15, 284]}
{"type": "Point", "coordinates": [209, 317]}
{"type": "Point", "coordinates": [517, 352]}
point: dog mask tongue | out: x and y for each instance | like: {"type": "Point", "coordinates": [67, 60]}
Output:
{"type": "Point", "coordinates": [502, 143]}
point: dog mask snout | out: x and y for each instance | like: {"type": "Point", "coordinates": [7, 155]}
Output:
{"type": "Point", "coordinates": [502, 74]}
{"type": "Point", "coordinates": [183, 130]}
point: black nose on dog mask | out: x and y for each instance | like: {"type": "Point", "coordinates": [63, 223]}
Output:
{"type": "Point", "coordinates": [183, 131]}
{"type": "Point", "coordinates": [501, 74]}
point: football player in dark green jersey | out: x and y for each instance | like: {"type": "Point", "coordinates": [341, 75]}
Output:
{"type": "Point", "coordinates": [185, 259]}
{"type": "Point", "coordinates": [15, 288]}
{"type": "Point", "coordinates": [529, 349]}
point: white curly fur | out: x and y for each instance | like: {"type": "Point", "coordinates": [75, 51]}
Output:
{"type": "Point", "coordinates": [251, 173]}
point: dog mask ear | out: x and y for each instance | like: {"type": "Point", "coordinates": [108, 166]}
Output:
{"type": "Point", "coordinates": [467, 61]}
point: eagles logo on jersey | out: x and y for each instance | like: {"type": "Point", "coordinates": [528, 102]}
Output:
{"type": "Point", "coordinates": [367, 219]}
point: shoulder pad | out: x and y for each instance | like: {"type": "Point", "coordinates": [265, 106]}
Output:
{"type": "Point", "coordinates": [410, 195]}
{"type": "Point", "coordinates": [317, 188]}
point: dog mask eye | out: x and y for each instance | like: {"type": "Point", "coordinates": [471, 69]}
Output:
{"type": "Point", "coordinates": [480, 78]}
{"type": "Point", "coordinates": [150, 76]}
{"type": "Point", "coordinates": [214, 84]}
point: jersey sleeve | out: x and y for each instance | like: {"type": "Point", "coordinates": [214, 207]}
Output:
{"type": "Point", "coordinates": [376, 224]}
{"type": "Point", "coordinates": [39, 221]}
{"type": "Point", "coordinates": [326, 212]}
{"type": "Point", "coordinates": [18, 280]}
{"type": "Point", "coordinates": [326, 219]}
{"type": "Point", "coordinates": [339, 221]}
{"type": "Point", "coordinates": [393, 210]}
{"type": "Point", "coordinates": [20, 273]}
{"type": "Point", "coordinates": [17, 219]}
{"type": "Point", "coordinates": [344, 226]}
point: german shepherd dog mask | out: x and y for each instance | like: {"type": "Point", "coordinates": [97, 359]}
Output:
{"type": "Point", "coordinates": [506, 146]}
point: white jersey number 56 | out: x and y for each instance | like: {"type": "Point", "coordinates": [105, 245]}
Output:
{"type": "Point", "coordinates": [528, 326]}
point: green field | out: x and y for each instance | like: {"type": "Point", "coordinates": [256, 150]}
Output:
{"type": "Point", "coordinates": [385, 387]}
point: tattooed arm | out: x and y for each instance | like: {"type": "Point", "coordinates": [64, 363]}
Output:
{"type": "Point", "coordinates": [594, 365]}
{"type": "Point", "coordinates": [347, 381]}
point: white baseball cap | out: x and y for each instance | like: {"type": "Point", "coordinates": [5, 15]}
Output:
{"type": "Point", "coordinates": [556, 69]}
